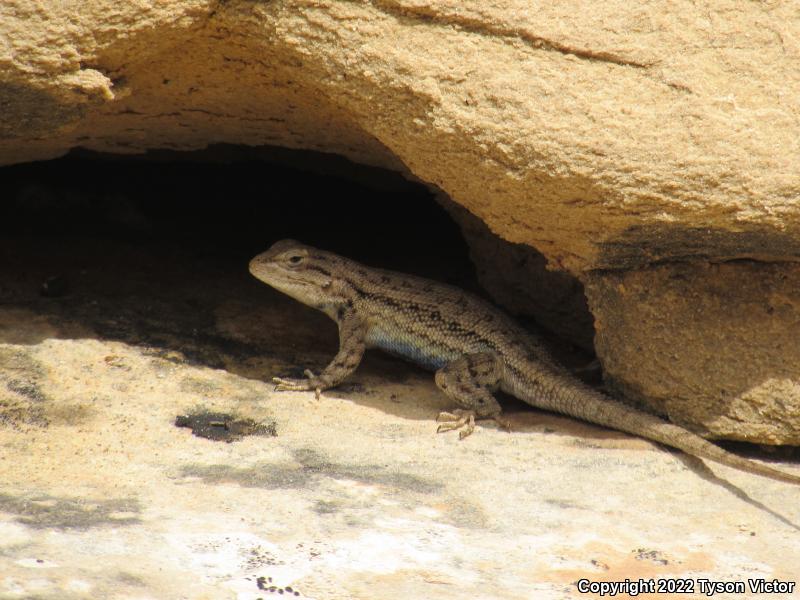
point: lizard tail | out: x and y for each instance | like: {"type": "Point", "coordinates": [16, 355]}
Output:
{"type": "Point", "coordinates": [583, 402]}
{"type": "Point", "coordinates": [680, 438]}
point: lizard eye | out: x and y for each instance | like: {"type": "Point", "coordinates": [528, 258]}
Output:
{"type": "Point", "coordinates": [296, 259]}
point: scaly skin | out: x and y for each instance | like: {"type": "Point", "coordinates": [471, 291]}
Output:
{"type": "Point", "coordinates": [474, 348]}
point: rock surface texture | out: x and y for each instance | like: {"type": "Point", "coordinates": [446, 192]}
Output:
{"type": "Point", "coordinates": [106, 493]}
{"type": "Point", "coordinates": [609, 136]}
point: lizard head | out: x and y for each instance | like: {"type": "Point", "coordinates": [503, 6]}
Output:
{"type": "Point", "coordinates": [300, 271]}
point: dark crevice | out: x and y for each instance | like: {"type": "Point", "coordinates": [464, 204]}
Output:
{"type": "Point", "coordinates": [153, 250]}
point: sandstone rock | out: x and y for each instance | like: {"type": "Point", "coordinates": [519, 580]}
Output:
{"type": "Point", "coordinates": [726, 333]}
{"type": "Point", "coordinates": [560, 128]}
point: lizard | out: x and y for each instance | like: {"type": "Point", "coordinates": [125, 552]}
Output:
{"type": "Point", "coordinates": [474, 348]}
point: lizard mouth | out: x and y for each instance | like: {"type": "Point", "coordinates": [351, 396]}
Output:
{"type": "Point", "coordinates": [296, 280]}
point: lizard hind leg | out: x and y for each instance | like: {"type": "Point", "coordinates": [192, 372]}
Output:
{"type": "Point", "coordinates": [469, 381]}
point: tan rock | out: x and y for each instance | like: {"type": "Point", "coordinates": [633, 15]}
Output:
{"type": "Point", "coordinates": [713, 346]}
{"type": "Point", "coordinates": [561, 127]}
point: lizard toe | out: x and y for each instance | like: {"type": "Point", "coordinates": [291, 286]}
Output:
{"type": "Point", "coordinates": [459, 419]}
{"type": "Point", "coordinates": [289, 385]}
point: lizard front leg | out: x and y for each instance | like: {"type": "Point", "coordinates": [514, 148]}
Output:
{"type": "Point", "coordinates": [352, 343]}
{"type": "Point", "coordinates": [470, 381]}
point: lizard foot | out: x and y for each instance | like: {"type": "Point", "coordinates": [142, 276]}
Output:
{"type": "Point", "coordinates": [458, 419]}
{"type": "Point", "coordinates": [287, 384]}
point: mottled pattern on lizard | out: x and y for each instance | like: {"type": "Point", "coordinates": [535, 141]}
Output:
{"type": "Point", "coordinates": [474, 348]}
